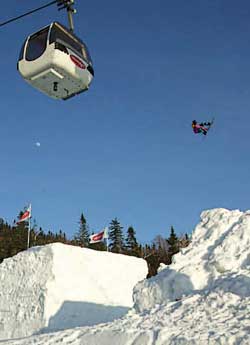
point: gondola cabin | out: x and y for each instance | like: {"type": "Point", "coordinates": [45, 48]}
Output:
{"type": "Point", "coordinates": [56, 62]}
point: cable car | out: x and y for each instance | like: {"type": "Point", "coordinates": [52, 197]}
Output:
{"type": "Point", "coordinates": [55, 61]}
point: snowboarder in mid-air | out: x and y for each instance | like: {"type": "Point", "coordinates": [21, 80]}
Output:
{"type": "Point", "coordinates": [201, 128]}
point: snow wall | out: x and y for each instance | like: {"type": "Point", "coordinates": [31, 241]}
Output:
{"type": "Point", "coordinates": [58, 286]}
{"type": "Point", "coordinates": [218, 258]}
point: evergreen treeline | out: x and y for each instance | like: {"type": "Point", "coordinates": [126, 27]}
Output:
{"type": "Point", "coordinates": [13, 239]}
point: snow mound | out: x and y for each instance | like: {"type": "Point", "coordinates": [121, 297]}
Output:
{"type": "Point", "coordinates": [59, 286]}
{"type": "Point", "coordinates": [218, 257]}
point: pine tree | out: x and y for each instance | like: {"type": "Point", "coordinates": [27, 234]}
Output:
{"type": "Point", "coordinates": [173, 242]}
{"type": "Point", "coordinates": [1, 223]}
{"type": "Point", "coordinates": [132, 247]}
{"type": "Point", "coordinates": [82, 236]}
{"type": "Point", "coordinates": [116, 244]}
{"type": "Point", "coordinates": [19, 236]}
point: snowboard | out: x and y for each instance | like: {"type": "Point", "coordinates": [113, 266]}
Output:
{"type": "Point", "coordinates": [211, 124]}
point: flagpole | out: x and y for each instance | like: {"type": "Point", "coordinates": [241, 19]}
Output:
{"type": "Point", "coordinates": [107, 239]}
{"type": "Point", "coordinates": [28, 242]}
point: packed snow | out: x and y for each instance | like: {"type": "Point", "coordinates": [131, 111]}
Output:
{"type": "Point", "coordinates": [58, 286]}
{"type": "Point", "coordinates": [218, 258]}
{"type": "Point", "coordinates": [202, 298]}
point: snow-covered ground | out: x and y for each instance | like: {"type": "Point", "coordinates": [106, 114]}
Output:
{"type": "Point", "coordinates": [202, 298]}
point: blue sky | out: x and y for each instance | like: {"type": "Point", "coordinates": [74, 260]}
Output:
{"type": "Point", "coordinates": [125, 148]}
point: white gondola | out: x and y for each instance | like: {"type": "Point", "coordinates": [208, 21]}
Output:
{"type": "Point", "coordinates": [56, 61]}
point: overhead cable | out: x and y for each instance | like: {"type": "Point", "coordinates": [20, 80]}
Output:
{"type": "Point", "coordinates": [28, 13]}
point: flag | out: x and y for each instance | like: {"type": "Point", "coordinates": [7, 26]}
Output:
{"type": "Point", "coordinates": [26, 215]}
{"type": "Point", "coordinates": [98, 237]}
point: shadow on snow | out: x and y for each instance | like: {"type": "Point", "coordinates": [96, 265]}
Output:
{"type": "Point", "coordinates": [77, 314]}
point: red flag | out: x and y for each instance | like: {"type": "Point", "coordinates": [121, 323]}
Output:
{"type": "Point", "coordinates": [25, 216]}
{"type": "Point", "coordinates": [98, 237]}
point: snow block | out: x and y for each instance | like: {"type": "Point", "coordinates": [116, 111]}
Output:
{"type": "Point", "coordinates": [57, 286]}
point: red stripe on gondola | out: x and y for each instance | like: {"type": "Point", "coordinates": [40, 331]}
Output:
{"type": "Point", "coordinates": [77, 62]}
